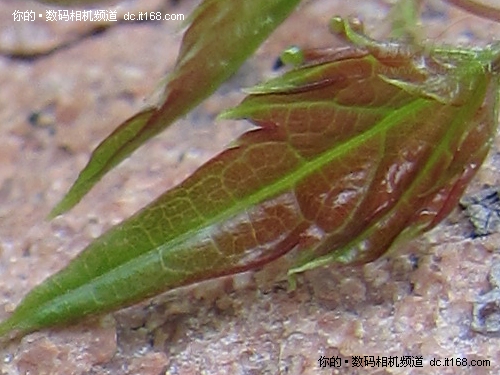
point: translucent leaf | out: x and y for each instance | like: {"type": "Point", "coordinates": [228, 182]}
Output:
{"type": "Point", "coordinates": [355, 150]}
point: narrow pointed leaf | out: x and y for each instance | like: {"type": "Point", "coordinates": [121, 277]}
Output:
{"type": "Point", "coordinates": [353, 151]}
{"type": "Point", "coordinates": [221, 36]}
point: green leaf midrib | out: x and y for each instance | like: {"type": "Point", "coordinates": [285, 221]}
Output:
{"type": "Point", "coordinates": [280, 185]}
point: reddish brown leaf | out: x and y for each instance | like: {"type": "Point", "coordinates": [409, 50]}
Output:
{"type": "Point", "coordinates": [355, 150]}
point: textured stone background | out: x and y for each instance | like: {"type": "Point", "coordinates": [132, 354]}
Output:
{"type": "Point", "coordinates": [64, 86]}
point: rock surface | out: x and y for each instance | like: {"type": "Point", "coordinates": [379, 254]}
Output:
{"type": "Point", "coordinates": [65, 86]}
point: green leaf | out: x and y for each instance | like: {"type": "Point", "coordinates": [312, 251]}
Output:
{"type": "Point", "coordinates": [354, 150]}
{"type": "Point", "coordinates": [221, 36]}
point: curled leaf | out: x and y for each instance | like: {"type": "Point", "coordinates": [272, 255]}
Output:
{"type": "Point", "coordinates": [354, 150]}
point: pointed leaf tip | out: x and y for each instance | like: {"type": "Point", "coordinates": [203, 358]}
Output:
{"type": "Point", "coordinates": [223, 31]}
